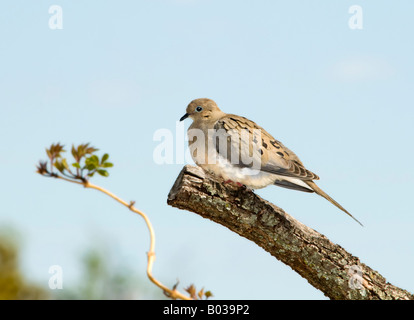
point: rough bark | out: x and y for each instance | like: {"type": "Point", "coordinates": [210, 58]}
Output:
{"type": "Point", "coordinates": [325, 265]}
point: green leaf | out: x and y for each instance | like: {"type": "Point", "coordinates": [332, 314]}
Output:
{"type": "Point", "coordinates": [89, 166]}
{"type": "Point", "coordinates": [108, 165]}
{"type": "Point", "coordinates": [65, 164]}
{"type": "Point", "coordinates": [104, 158]}
{"type": "Point", "coordinates": [103, 173]}
{"type": "Point", "coordinates": [94, 159]}
{"type": "Point", "coordinates": [59, 165]}
{"type": "Point", "coordinates": [76, 165]}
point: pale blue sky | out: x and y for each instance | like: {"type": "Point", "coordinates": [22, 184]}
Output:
{"type": "Point", "coordinates": [118, 71]}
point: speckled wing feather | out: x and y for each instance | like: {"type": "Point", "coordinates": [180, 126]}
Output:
{"type": "Point", "coordinates": [274, 156]}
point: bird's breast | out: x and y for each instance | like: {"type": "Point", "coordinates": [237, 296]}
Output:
{"type": "Point", "coordinates": [252, 178]}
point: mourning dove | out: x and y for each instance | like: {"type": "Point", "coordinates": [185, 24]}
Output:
{"type": "Point", "coordinates": [240, 151]}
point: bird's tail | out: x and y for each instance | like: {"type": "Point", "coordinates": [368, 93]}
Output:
{"type": "Point", "coordinates": [323, 194]}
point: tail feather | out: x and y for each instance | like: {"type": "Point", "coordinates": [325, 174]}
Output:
{"type": "Point", "coordinates": [320, 192]}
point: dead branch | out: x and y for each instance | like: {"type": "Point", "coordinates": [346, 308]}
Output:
{"type": "Point", "coordinates": [325, 265]}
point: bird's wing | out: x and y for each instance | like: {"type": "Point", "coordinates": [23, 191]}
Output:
{"type": "Point", "coordinates": [260, 147]}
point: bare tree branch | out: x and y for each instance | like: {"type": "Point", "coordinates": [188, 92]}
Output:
{"type": "Point", "coordinates": [326, 266]}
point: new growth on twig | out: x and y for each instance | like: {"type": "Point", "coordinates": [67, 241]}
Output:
{"type": "Point", "coordinates": [86, 164]}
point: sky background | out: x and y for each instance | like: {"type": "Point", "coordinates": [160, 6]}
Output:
{"type": "Point", "coordinates": [118, 71]}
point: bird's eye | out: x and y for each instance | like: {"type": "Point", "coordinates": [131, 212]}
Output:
{"type": "Point", "coordinates": [199, 109]}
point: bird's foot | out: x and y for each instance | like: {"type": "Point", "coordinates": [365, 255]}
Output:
{"type": "Point", "coordinates": [236, 183]}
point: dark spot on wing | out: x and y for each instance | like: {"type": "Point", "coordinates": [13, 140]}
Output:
{"type": "Point", "coordinates": [280, 154]}
{"type": "Point", "coordinates": [274, 143]}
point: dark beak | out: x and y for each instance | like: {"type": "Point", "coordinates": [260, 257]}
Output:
{"type": "Point", "coordinates": [184, 117]}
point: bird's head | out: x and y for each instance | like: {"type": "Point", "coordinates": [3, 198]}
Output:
{"type": "Point", "coordinates": [202, 110]}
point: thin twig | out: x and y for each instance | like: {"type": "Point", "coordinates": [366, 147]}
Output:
{"type": "Point", "coordinates": [174, 294]}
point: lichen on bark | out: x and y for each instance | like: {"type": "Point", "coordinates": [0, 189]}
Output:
{"type": "Point", "coordinates": [325, 265]}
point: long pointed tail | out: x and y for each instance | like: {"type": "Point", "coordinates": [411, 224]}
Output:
{"type": "Point", "coordinates": [323, 194]}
